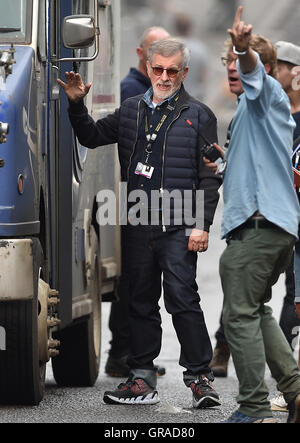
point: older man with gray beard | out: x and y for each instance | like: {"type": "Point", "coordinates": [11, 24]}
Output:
{"type": "Point", "coordinates": [160, 136]}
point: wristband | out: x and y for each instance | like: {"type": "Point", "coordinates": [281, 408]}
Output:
{"type": "Point", "coordinates": [235, 51]}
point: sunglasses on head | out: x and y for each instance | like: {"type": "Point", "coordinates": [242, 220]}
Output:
{"type": "Point", "coordinates": [171, 72]}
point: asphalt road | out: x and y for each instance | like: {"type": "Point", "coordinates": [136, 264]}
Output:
{"type": "Point", "coordinates": [77, 405]}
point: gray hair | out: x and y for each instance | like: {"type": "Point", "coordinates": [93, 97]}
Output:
{"type": "Point", "coordinates": [169, 47]}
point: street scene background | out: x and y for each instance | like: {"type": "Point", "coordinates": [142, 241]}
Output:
{"type": "Point", "coordinates": [210, 18]}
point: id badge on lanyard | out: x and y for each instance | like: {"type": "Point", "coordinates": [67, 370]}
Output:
{"type": "Point", "coordinates": [145, 169]}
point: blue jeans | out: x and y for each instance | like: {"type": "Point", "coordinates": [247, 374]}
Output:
{"type": "Point", "coordinates": [153, 254]}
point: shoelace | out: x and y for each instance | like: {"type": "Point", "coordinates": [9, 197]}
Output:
{"type": "Point", "coordinates": [203, 382]}
{"type": "Point", "coordinates": [129, 384]}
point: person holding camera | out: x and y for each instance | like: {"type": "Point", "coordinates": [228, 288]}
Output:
{"type": "Point", "coordinates": [288, 66]}
{"type": "Point", "coordinates": [160, 135]}
{"type": "Point", "coordinates": [260, 223]}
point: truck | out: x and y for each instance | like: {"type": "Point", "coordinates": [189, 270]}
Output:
{"type": "Point", "coordinates": [56, 263]}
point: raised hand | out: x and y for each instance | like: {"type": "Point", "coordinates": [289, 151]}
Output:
{"type": "Point", "coordinates": [74, 86]}
{"type": "Point", "coordinates": [240, 32]}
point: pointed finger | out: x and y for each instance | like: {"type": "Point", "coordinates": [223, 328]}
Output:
{"type": "Point", "coordinates": [238, 15]}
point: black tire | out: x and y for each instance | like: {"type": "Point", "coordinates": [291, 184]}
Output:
{"type": "Point", "coordinates": [79, 355]}
{"type": "Point", "coordinates": [76, 364]}
{"type": "Point", "coordinates": [22, 377]}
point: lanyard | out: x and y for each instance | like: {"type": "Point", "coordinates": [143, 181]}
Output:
{"type": "Point", "coordinates": [152, 137]}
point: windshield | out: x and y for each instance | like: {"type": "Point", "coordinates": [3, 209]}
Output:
{"type": "Point", "coordinates": [15, 21]}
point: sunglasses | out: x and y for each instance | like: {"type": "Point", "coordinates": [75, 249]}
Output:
{"type": "Point", "coordinates": [170, 72]}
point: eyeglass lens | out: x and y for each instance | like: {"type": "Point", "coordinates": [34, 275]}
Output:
{"type": "Point", "coordinates": [159, 71]}
{"type": "Point", "coordinates": [227, 60]}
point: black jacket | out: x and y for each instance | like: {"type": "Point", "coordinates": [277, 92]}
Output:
{"type": "Point", "coordinates": [183, 168]}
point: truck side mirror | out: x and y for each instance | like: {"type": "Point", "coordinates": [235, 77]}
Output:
{"type": "Point", "coordinates": [78, 31]}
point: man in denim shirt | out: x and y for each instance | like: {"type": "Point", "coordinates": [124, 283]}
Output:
{"type": "Point", "coordinates": [260, 223]}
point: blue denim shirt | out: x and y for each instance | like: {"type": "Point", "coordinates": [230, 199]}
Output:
{"type": "Point", "coordinates": [259, 173]}
{"type": "Point", "coordinates": [148, 98]}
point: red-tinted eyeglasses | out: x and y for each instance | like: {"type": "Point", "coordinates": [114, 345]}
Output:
{"type": "Point", "coordinates": [171, 72]}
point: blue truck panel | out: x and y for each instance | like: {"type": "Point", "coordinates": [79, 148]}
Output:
{"type": "Point", "coordinates": [19, 211]}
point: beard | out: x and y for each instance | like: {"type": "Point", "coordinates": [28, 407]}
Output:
{"type": "Point", "coordinates": [163, 95]}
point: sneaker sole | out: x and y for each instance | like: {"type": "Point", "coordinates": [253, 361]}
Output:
{"type": "Point", "coordinates": [150, 399]}
{"type": "Point", "coordinates": [278, 408]}
{"type": "Point", "coordinates": [206, 402]}
{"type": "Point", "coordinates": [266, 420]}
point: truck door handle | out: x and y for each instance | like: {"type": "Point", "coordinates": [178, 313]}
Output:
{"type": "Point", "coordinates": [54, 85]}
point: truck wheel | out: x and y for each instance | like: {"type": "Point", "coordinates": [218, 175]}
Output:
{"type": "Point", "coordinates": [22, 376]}
{"type": "Point", "coordinates": [79, 356]}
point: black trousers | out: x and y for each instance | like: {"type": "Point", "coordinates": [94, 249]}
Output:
{"type": "Point", "coordinates": [151, 255]}
{"type": "Point", "coordinates": [119, 312]}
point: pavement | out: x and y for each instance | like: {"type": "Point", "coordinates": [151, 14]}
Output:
{"type": "Point", "coordinates": [85, 405]}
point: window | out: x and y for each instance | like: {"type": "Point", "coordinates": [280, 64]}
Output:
{"type": "Point", "coordinates": [15, 21]}
{"type": "Point", "coordinates": [81, 7]}
{"type": "Point", "coordinates": [104, 66]}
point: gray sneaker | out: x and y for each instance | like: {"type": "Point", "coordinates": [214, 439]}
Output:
{"type": "Point", "coordinates": [132, 393]}
{"type": "Point", "coordinates": [278, 403]}
{"type": "Point", "coordinates": [204, 395]}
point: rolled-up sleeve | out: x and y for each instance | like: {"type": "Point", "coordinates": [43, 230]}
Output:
{"type": "Point", "coordinates": [261, 90]}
